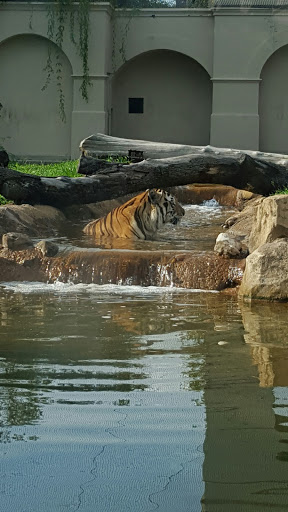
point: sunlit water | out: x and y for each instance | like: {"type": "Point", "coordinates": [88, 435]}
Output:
{"type": "Point", "coordinates": [131, 399]}
{"type": "Point", "coordinates": [117, 399]}
{"type": "Point", "coordinates": [198, 229]}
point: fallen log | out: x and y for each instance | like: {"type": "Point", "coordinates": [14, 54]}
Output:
{"type": "Point", "coordinates": [241, 172]}
{"type": "Point", "coordinates": [100, 145]}
{"type": "Point", "coordinates": [237, 169]}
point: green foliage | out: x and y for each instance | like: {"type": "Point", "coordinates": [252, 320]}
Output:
{"type": "Point", "coordinates": [119, 159]}
{"type": "Point", "coordinates": [68, 168]}
{"type": "Point", "coordinates": [282, 191]}
{"type": "Point", "coordinates": [64, 15]}
{"type": "Point", "coordinates": [3, 200]}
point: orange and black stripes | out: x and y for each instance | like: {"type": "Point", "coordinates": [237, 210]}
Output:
{"type": "Point", "coordinates": [138, 218]}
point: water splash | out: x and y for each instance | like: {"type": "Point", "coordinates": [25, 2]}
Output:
{"type": "Point", "coordinates": [211, 203]}
{"type": "Point", "coordinates": [59, 287]}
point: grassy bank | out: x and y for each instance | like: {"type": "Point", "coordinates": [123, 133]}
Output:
{"type": "Point", "coordinates": [68, 168]}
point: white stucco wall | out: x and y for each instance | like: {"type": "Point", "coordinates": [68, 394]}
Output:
{"type": "Point", "coordinates": [233, 55]}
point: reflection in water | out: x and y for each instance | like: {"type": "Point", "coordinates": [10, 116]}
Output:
{"type": "Point", "coordinates": [125, 399]}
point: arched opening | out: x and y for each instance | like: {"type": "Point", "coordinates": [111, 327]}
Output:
{"type": "Point", "coordinates": [273, 103]}
{"type": "Point", "coordinates": [30, 123]}
{"type": "Point", "coordinates": [162, 96]}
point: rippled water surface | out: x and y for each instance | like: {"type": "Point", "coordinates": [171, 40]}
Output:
{"type": "Point", "coordinates": [198, 229]}
{"type": "Point", "coordinates": [131, 399]}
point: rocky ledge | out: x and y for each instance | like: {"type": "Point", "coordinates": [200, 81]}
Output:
{"type": "Point", "coordinates": [260, 229]}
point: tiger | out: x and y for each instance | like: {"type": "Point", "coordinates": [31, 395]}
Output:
{"type": "Point", "coordinates": [139, 218]}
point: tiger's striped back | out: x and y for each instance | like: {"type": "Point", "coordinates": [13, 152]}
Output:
{"type": "Point", "coordinates": [139, 218]}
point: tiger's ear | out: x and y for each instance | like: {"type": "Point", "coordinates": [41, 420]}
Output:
{"type": "Point", "coordinates": [154, 196]}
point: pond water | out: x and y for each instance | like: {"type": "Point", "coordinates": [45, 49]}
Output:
{"type": "Point", "coordinates": [117, 399]}
{"type": "Point", "coordinates": [141, 399]}
{"type": "Point", "coordinates": [197, 230]}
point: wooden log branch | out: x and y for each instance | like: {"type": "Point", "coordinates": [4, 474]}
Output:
{"type": "Point", "coordinates": [113, 180]}
{"type": "Point", "coordinates": [237, 169]}
{"type": "Point", "coordinates": [99, 144]}
{"type": "Point", "coordinates": [240, 171]}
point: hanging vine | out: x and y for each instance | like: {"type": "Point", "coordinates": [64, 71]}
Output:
{"type": "Point", "coordinates": [66, 16]}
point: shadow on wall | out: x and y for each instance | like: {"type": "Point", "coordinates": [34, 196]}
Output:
{"type": "Point", "coordinates": [163, 96]}
{"type": "Point", "coordinates": [273, 103]}
{"type": "Point", "coordinates": [30, 121]}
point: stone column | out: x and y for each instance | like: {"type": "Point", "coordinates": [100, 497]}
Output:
{"type": "Point", "coordinates": [235, 119]}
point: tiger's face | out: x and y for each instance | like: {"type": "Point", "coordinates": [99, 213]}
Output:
{"type": "Point", "coordinates": [168, 205]}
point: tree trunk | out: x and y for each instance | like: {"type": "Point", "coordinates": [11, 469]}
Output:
{"type": "Point", "coordinates": [113, 180]}
{"type": "Point", "coordinates": [104, 145]}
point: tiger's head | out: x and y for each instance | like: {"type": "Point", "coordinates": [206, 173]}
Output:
{"type": "Point", "coordinates": [167, 204]}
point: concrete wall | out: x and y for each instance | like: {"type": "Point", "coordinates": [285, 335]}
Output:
{"type": "Point", "coordinates": [206, 76]}
{"type": "Point", "coordinates": [30, 122]}
{"type": "Point", "coordinates": [176, 92]}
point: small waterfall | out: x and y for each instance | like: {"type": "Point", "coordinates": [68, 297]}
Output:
{"type": "Point", "coordinates": [187, 269]}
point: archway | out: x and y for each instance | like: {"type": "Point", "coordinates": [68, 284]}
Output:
{"type": "Point", "coordinates": [163, 96]}
{"type": "Point", "coordinates": [273, 103]}
{"type": "Point", "coordinates": [30, 124]}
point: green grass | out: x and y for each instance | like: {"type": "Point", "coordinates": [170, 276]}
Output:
{"type": "Point", "coordinates": [67, 168]}
{"type": "Point", "coordinates": [283, 191]}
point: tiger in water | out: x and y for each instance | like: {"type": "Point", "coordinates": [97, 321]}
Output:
{"type": "Point", "coordinates": [139, 218]}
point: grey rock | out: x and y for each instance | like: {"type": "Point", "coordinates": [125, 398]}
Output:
{"type": "Point", "coordinates": [230, 246]}
{"type": "Point", "coordinates": [48, 248]}
{"type": "Point", "coordinates": [16, 241]}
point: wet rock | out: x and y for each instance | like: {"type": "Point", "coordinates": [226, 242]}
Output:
{"type": "Point", "coordinates": [225, 195]}
{"type": "Point", "coordinates": [270, 221]}
{"type": "Point", "coordinates": [48, 248]}
{"type": "Point", "coordinates": [36, 220]}
{"type": "Point", "coordinates": [21, 266]}
{"type": "Point", "coordinates": [16, 241]}
{"type": "Point", "coordinates": [266, 272]}
{"type": "Point", "coordinates": [230, 246]}
{"type": "Point", "coordinates": [147, 268]}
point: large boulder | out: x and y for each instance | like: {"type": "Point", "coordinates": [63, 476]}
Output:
{"type": "Point", "coordinates": [39, 220]}
{"type": "Point", "coordinates": [266, 272]}
{"type": "Point", "coordinates": [270, 221]}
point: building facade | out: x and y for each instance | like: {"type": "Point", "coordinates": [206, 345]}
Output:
{"type": "Point", "coordinates": [214, 76]}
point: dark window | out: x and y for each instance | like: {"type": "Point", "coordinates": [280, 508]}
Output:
{"type": "Point", "coordinates": [136, 105]}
